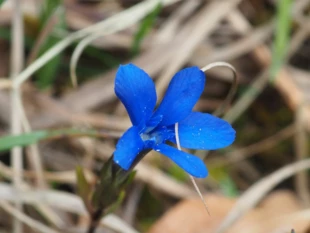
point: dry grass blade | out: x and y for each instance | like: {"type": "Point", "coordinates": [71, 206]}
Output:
{"type": "Point", "coordinates": [5, 83]}
{"type": "Point", "coordinates": [301, 153]}
{"type": "Point", "coordinates": [123, 19]}
{"type": "Point", "coordinates": [235, 49]}
{"type": "Point", "coordinates": [176, 130]}
{"type": "Point", "coordinates": [65, 201]}
{"type": "Point", "coordinates": [36, 225]}
{"type": "Point", "coordinates": [282, 82]}
{"type": "Point", "coordinates": [168, 30]}
{"type": "Point", "coordinates": [162, 182]}
{"type": "Point", "coordinates": [247, 99]}
{"type": "Point", "coordinates": [229, 97]}
{"type": "Point", "coordinates": [88, 40]}
{"type": "Point", "coordinates": [17, 63]}
{"type": "Point", "coordinates": [131, 206]}
{"type": "Point", "coordinates": [255, 193]}
{"type": "Point", "coordinates": [256, 148]}
{"type": "Point", "coordinates": [205, 21]}
{"type": "Point", "coordinates": [34, 159]}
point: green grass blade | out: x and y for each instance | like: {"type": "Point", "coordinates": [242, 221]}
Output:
{"type": "Point", "coordinates": [46, 74]}
{"type": "Point", "coordinates": [144, 29]}
{"type": "Point", "coordinates": [10, 141]}
{"type": "Point", "coordinates": [282, 36]}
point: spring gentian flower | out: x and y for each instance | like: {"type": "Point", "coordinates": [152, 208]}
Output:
{"type": "Point", "coordinates": [153, 129]}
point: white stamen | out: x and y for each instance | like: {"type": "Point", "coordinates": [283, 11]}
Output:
{"type": "Point", "coordinates": [176, 130]}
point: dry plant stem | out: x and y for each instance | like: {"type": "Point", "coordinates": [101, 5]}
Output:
{"type": "Point", "coordinates": [152, 64]}
{"type": "Point", "coordinates": [46, 211]}
{"type": "Point", "coordinates": [35, 160]}
{"type": "Point", "coordinates": [256, 148]}
{"type": "Point", "coordinates": [169, 29]}
{"type": "Point", "coordinates": [19, 114]}
{"type": "Point", "coordinates": [36, 225]}
{"type": "Point", "coordinates": [222, 108]}
{"type": "Point", "coordinates": [46, 31]}
{"type": "Point", "coordinates": [5, 84]}
{"type": "Point", "coordinates": [166, 35]}
{"type": "Point", "coordinates": [255, 88]}
{"type": "Point", "coordinates": [176, 129]}
{"type": "Point", "coordinates": [263, 79]}
{"type": "Point", "coordinates": [131, 205]}
{"type": "Point", "coordinates": [255, 193]}
{"type": "Point", "coordinates": [205, 21]}
{"type": "Point", "coordinates": [122, 20]}
{"type": "Point", "coordinates": [259, 84]}
{"type": "Point", "coordinates": [17, 62]}
{"type": "Point", "coordinates": [66, 177]}
{"type": "Point", "coordinates": [153, 61]}
{"type": "Point", "coordinates": [146, 174]}
{"type": "Point", "coordinates": [88, 40]}
{"type": "Point", "coordinates": [62, 200]}
{"type": "Point", "coordinates": [301, 146]}
{"type": "Point", "coordinates": [235, 49]}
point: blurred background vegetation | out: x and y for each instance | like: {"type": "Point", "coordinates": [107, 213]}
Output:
{"type": "Point", "coordinates": [46, 44]}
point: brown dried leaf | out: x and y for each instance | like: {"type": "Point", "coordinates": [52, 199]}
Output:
{"type": "Point", "coordinates": [273, 215]}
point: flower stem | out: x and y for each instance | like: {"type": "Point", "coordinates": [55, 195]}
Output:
{"type": "Point", "coordinates": [95, 220]}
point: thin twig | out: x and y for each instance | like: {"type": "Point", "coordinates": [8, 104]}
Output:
{"type": "Point", "coordinates": [301, 153]}
{"type": "Point", "coordinates": [35, 160]}
{"type": "Point", "coordinates": [177, 138]}
{"type": "Point", "coordinates": [222, 108]}
{"type": "Point", "coordinates": [241, 154]}
{"type": "Point", "coordinates": [43, 35]}
{"type": "Point", "coordinates": [5, 83]}
{"type": "Point", "coordinates": [206, 20]}
{"type": "Point", "coordinates": [62, 200]}
{"type": "Point", "coordinates": [25, 219]}
{"type": "Point", "coordinates": [131, 205]}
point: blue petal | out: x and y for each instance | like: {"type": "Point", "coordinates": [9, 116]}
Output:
{"type": "Point", "coordinates": [190, 163]}
{"type": "Point", "coordinates": [206, 132]}
{"type": "Point", "coordinates": [137, 92]}
{"type": "Point", "coordinates": [128, 147]}
{"type": "Point", "coordinates": [182, 94]}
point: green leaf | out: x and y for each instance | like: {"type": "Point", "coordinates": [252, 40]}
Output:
{"type": "Point", "coordinates": [177, 173]}
{"type": "Point", "coordinates": [116, 204]}
{"type": "Point", "coordinates": [48, 9]}
{"type": "Point", "coordinates": [144, 28]}
{"type": "Point", "coordinates": [226, 183]}
{"type": "Point", "coordinates": [84, 189]}
{"type": "Point", "coordinates": [282, 36]}
{"type": "Point", "coordinates": [10, 141]}
{"type": "Point", "coordinates": [228, 187]}
{"type": "Point", "coordinates": [1, 1]}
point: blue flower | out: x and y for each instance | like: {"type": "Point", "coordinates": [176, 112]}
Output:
{"type": "Point", "coordinates": [152, 129]}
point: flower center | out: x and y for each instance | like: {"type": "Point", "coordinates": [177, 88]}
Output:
{"type": "Point", "coordinates": [152, 138]}
{"type": "Point", "coordinates": [156, 136]}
